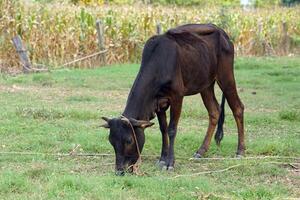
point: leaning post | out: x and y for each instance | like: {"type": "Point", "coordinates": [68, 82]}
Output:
{"type": "Point", "coordinates": [22, 52]}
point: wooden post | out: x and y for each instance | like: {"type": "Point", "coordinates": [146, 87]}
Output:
{"type": "Point", "coordinates": [285, 38]}
{"type": "Point", "coordinates": [261, 43]}
{"type": "Point", "coordinates": [158, 28]}
{"type": "Point", "coordinates": [101, 40]}
{"type": "Point", "coordinates": [260, 27]}
{"type": "Point", "coordinates": [223, 18]}
{"type": "Point", "coordinates": [22, 54]}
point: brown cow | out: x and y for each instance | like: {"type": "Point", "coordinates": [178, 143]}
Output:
{"type": "Point", "coordinates": [184, 61]}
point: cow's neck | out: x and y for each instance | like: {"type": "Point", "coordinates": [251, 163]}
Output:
{"type": "Point", "coordinates": [141, 99]}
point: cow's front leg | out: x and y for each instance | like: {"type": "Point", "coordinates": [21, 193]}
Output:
{"type": "Point", "coordinates": [175, 111]}
{"type": "Point", "coordinates": [163, 125]}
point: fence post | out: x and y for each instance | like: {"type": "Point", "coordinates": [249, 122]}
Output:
{"type": "Point", "coordinates": [285, 38]}
{"type": "Point", "coordinates": [22, 52]}
{"type": "Point", "coordinates": [158, 28]}
{"type": "Point", "coordinates": [261, 43]}
{"type": "Point", "coordinates": [101, 40]}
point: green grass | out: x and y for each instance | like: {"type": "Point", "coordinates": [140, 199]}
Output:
{"type": "Point", "coordinates": [54, 112]}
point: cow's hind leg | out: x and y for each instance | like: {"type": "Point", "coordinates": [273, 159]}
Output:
{"type": "Point", "coordinates": [163, 125]}
{"type": "Point", "coordinates": [227, 84]}
{"type": "Point", "coordinates": [212, 106]}
{"type": "Point", "coordinates": [237, 108]}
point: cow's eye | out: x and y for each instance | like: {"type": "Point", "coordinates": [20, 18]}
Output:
{"type": "Point", "coordinates": [128, 141]}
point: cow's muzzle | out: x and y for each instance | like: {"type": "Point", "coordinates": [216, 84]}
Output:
{"type": "Point", "coordinates": [120, 172]}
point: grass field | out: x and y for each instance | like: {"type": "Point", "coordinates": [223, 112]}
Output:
{"type": "Point", "coordinates": [54, 112]}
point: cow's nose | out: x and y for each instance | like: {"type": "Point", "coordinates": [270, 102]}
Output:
{"type": "Point", "coordinates": [120, 173]}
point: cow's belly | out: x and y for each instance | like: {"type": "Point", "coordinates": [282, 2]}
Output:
{"type": "Point", "coordinates": [196, 83]}
{"type": "Point", "coordinates": [196, 88]}
{"type": "Point", "coordinates": [196, 78]}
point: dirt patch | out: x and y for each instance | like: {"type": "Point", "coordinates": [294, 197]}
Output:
{"type": "Point", "coordinates": [12, 89]}
{"type": "Point", "coordinates": [294, 169]}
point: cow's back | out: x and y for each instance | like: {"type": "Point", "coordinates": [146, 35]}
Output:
{"type": "Point", "coordinates": [206, 31]}
{"type": "Point", "coordinates": [199, 48]}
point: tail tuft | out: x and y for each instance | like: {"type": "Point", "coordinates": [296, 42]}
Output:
{"type": "Point", "coordinates": [219, 133]}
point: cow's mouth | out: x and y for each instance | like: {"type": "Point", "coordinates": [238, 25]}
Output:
{"type": "Point", "coordinates": [128, 166]}
{"type": "Point", "coordinates": [120, 172]}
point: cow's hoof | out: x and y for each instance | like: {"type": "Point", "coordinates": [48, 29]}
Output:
{"type": "Point", "coordinates": [160, 164]}
{"type": "Point", "coordinates": [197, 156]}
{"type": "Point", "coordinates": [240, 153]}
{"type": "Point", "coordinates": [168, 168]}
{"type": "Point", "coordinates": [239, 156]}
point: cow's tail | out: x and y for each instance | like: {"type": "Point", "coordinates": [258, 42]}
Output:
{"type": "Point", "coordinates": [219, 133]}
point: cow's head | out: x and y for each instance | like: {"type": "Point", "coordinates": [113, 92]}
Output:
{"type": "Point", "coordinates": [122, 139]}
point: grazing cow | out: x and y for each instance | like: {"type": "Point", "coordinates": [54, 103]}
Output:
{"type": "Point", "coordinates": [184, 61]}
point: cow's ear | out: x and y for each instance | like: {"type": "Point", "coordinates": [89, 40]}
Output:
{"type": "Point", "coordinates": [106, 124]}
{"type": "Point", "coordinates": [141, 123]}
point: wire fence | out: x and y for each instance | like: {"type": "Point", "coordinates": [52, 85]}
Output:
{"type": "Point", "coordinates": [74, 154]}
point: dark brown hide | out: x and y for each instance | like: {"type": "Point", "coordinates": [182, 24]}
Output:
{"type": "Point", "coordinates": [184, 61]}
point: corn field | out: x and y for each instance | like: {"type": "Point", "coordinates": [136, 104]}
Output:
{"type": "Point", "coordinates": [55, 33]}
